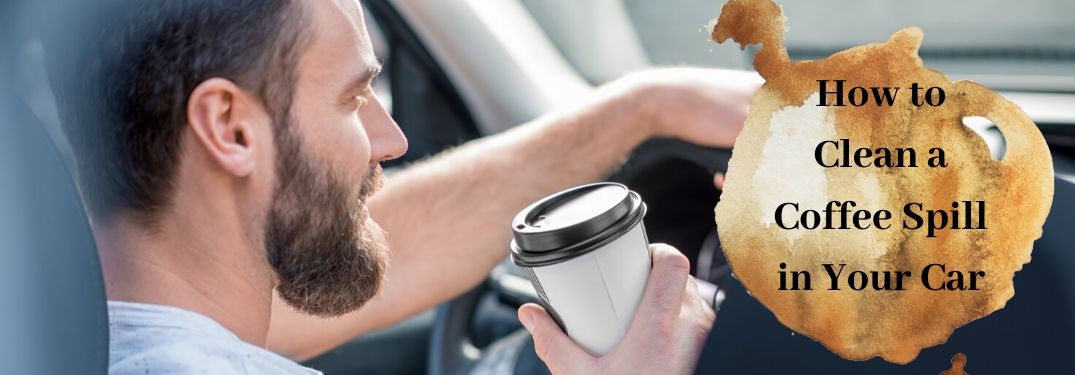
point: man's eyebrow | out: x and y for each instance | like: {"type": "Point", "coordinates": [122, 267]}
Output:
{"type": "Point", "coordinates": [362, 81]}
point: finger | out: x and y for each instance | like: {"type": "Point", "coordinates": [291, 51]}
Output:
{"type": "Point", "coordinates": [667, 283]}
{"type": "Point", "coordinates": [554, 347]}
{"type": "Point", "coordinates": [691, 291]}
{"type": "Point", "coordinates": [718, 180]}
{"type": "Point", "coordinates": [692, 299]}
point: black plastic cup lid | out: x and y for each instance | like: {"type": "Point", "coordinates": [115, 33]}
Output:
{"type": "Point", "coordinates": [573, 222]}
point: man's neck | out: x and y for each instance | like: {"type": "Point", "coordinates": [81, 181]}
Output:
{"type": "Point", "coordinates": [191, 259]}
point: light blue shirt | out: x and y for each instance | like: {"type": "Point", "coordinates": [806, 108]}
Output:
{"type": "Point", "coordinates": [156, 339]}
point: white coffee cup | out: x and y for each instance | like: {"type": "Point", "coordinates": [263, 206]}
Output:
{"type": "Point", "coordinates": [585, 251]}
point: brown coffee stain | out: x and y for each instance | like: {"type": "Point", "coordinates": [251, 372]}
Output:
{"type": "Point", "coordinates": [773, 162]}
{"type": "Point", "coordinates": [959, 361]}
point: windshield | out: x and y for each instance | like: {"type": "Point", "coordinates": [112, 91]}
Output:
{"type": "Point", "coordinates": [1004, 44]}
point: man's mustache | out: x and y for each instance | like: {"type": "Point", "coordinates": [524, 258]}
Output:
{"type": "Point", "coordinates": [371, 183]}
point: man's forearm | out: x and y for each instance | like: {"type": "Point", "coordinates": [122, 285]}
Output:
{"type": "Point", "coordinates": [457, 208]}
{"type": "Point", "coordinates": [447, 218]}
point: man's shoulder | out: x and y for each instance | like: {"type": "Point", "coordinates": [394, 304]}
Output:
{"type": "Point", "coordinates": [148, 339]}
{"type": "Point", "coordinates": [186, 355]}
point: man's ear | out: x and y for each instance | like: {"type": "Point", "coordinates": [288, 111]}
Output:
{"type": "Point", "coordinates": [223, 118]}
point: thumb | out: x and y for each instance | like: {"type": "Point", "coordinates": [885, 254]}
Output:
{"type": "Point", "coordinates": [667, 284]}
{"type": "Point", "coordinates": [552, 345]}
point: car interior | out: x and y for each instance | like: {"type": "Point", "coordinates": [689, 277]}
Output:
{"type": "Point", "coordinates": [459, 70]}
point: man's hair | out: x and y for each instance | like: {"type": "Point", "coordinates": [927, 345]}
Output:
{"type": "Point", "coordinates": [123, 75]}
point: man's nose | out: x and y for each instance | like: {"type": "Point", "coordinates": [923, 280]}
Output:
{"type": "Point", "coordinates": [387, 141]}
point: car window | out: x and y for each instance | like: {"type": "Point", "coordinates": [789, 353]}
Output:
{"type": "Point", "coordinates": [1003, 42]}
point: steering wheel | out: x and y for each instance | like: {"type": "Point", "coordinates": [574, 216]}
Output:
{"type": "Point", "coordinates": [452, 352]}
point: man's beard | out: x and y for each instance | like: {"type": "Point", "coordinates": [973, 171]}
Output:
{"type": "Point", "coordinates": [328, 257]}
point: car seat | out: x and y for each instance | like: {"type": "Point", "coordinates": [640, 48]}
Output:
{"type": "Point", "coordinates": [53, 318]}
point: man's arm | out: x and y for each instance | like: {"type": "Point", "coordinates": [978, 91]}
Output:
{"type": "Point", "coordinates": [447, 218]}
